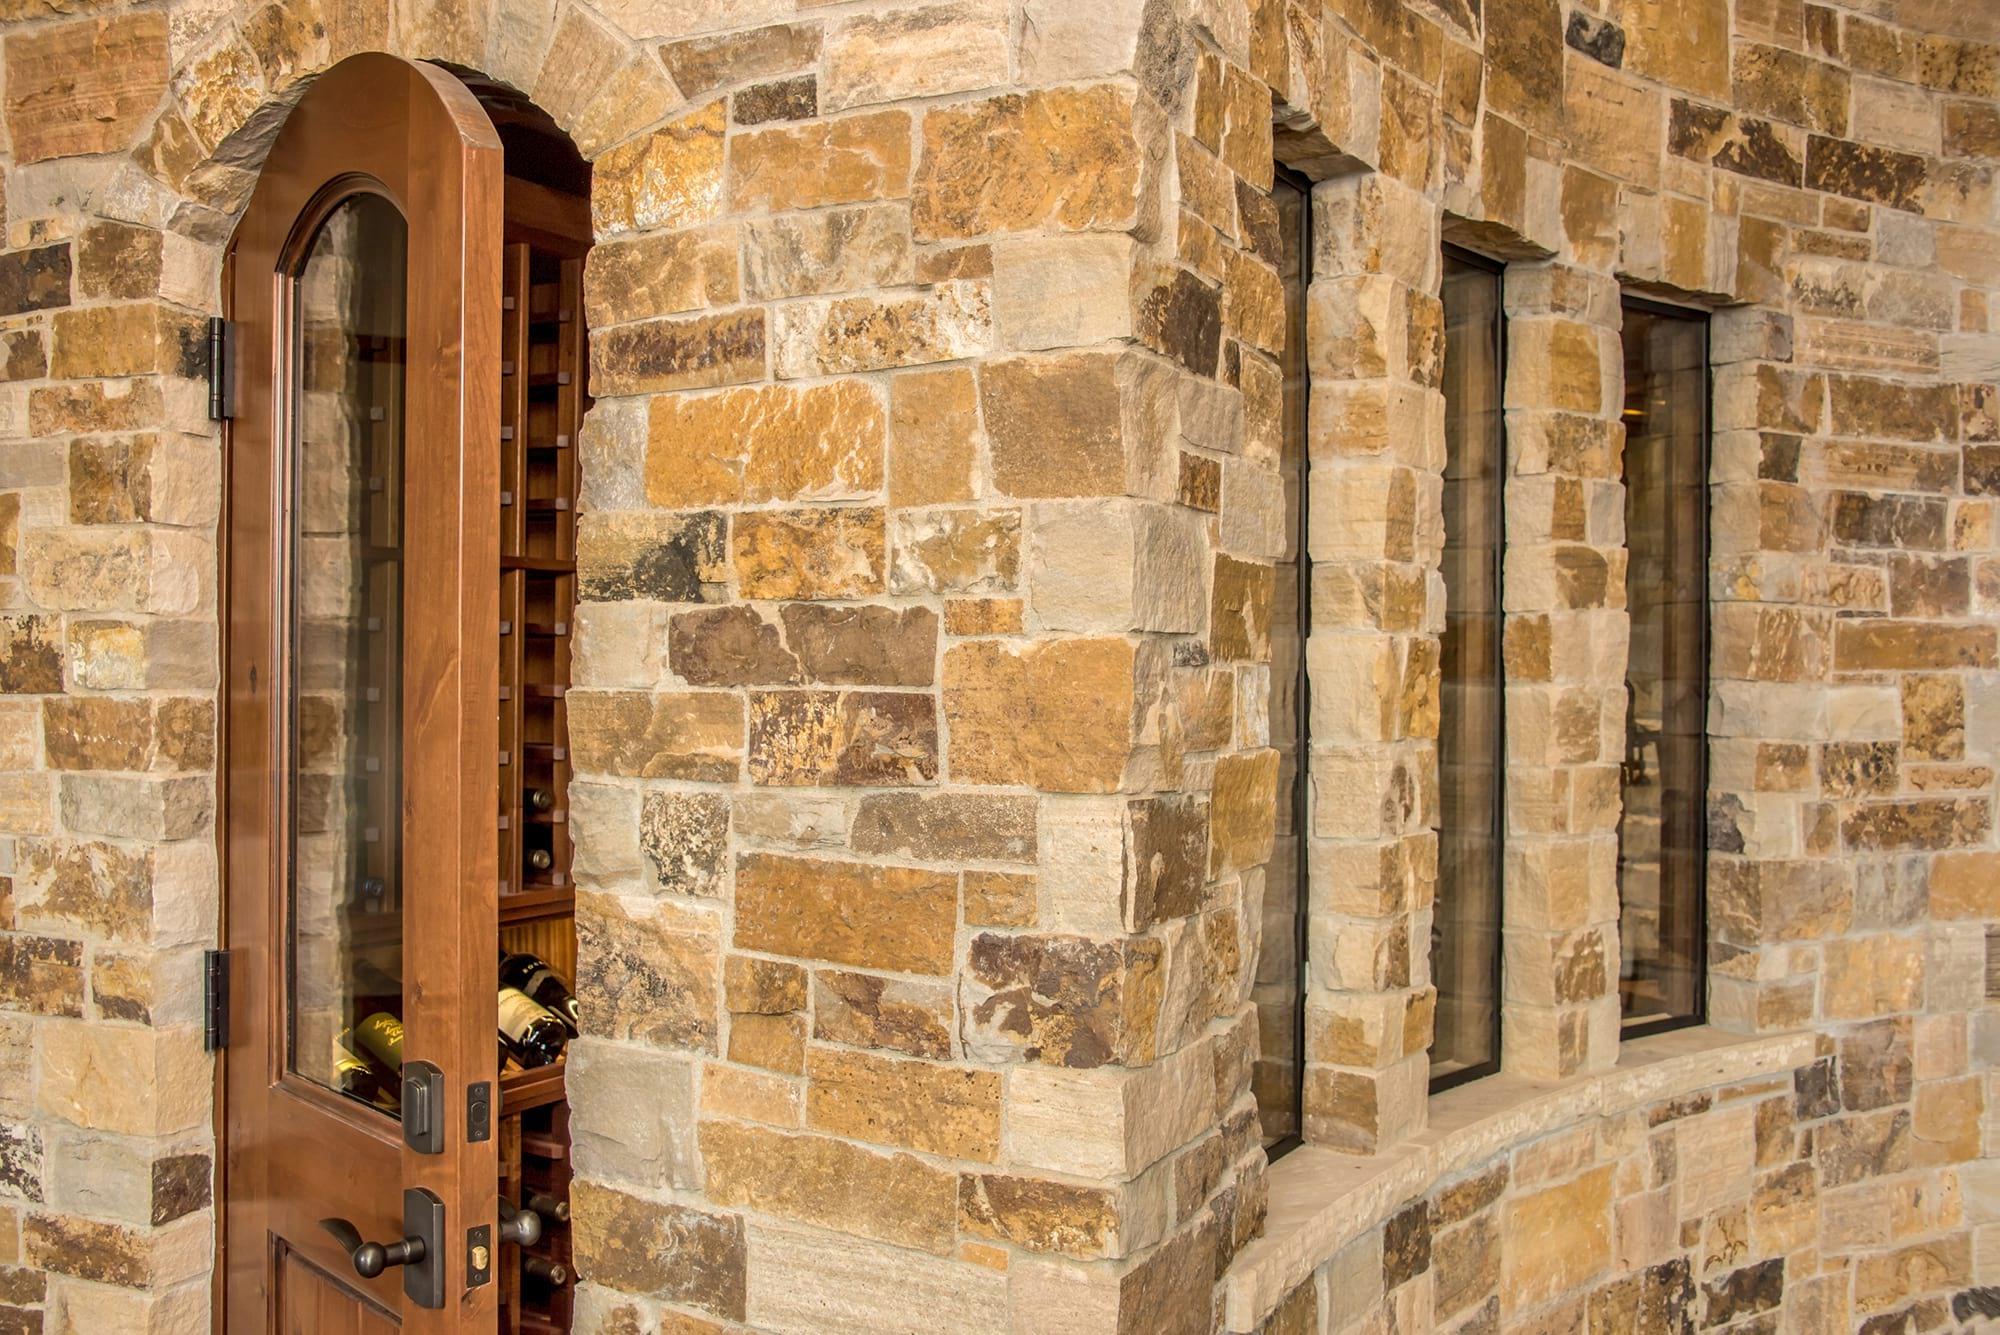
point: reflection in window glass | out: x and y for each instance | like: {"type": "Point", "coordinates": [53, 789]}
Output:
{"type": "Point", "coordinates": [1465, 926]}
{"type": "Point", "coordinates": [345, 743]}
{"type": "Point", "coordinates": [1662, 847]}
{"type": "Point", "coordinates": [1280, 985]}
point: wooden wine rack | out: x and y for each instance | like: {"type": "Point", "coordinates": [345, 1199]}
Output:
{"type": "Point", "coordinates": [541, 409]}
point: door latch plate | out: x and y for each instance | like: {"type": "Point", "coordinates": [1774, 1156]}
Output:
{"type": "Point", "coordinates": [423, 1217]}
{"type": "Point", "coordinates": [423, 1107]}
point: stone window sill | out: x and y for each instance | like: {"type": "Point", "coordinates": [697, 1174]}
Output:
{"type": "Point", "coordinates": [1321, 1199]}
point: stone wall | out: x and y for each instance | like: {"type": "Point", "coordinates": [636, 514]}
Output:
{"type": "Point", "coordinates": [923, 716]}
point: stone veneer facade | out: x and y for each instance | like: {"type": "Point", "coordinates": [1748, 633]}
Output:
{"type": "Point", "coordinates": [931, 512]}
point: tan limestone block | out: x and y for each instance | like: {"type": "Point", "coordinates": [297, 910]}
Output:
{"type": "Point", "coordinates": [1057, 715]}
{"type": "Point", "coordinates": [606, 1081]}
{"type": "Point", "coordinates": [825, 1282]}
{"type": "Point", "coordinates": [1109, 1123]}
{"type": "Point", "coordinates": [1554, 1240]}
{"type": "Point", "coordinates": [947, 322]}
{"type": "Point", "coordinates": [895, 918]}
{"type": "Point", "coordinates": [934, 437]}
{"type": "Point", "coordinates": [672, 178]}
{"type": "Point", "coordinates": [1069, 425]}
{"type": "Point", "coordinates": [769, 443]}
{"type": "Point", "coordinates": [834, 250]}
{"type": "Point", "coordinates": [955, 551]}
{"type": "Point", "coordinates": [586, 52]}
{"type": "Point", "coordinates": [750, 1096]}
{"type": "Point", "coordinates": [662, 274]}
{"type": "Point", "coordinates": [1115, 566]}
{"type": "Point", "coordinates": [141, 1082]}
{"type": "Point", "coordinates": [647, 972]}
{"type": "Point", "coordinates": [916, 1105]}
{"type": "Point", "coordinates": [1062, 291]}
{"type": "Point", "coordinates": [891, 1197]}
{"type": "Point", "coordinates": [1013, 163]}
{"type": "Point", "coordinates": [83, 87]}
{"type": "Point", "coordinates": [1039, 1214]}
{"type": "Point", "coordinates": [850, 160]}
{"type": "Point", "coordinates": [808, 553]}
{"type": "Point", "coordinates": [773, 1042]}
{"type": "Point", "coordinates": [925, 51]}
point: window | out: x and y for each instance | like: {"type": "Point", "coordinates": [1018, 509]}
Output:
{"type": "Point", "coordinates": [1662, 843]}
{"type": "Point", "coordinates": [1465, 922]}
{"type": "Point", "coordinates": [1280, 984]}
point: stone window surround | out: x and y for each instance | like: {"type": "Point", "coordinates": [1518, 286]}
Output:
{"type": "Point", "coordinates": [1548, 1032]}
{"type": "Point", "coordinates": [1322, 1199]}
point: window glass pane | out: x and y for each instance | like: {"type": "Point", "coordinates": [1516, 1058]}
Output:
{"type": "Point", "coordinates": [1280, 985]}
{"type": "Point", "coordinates": [345, 726]}
{"type": "Point", "coordinates": [1662, 847]}
{"type": "Point", "coordinates": [1465, 926]}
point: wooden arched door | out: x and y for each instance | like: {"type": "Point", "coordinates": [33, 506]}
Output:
{"type": "Point", "coordinates": [362, 288]}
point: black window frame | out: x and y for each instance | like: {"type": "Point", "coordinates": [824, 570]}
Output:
{"type": "Point", "coordinates": [1465, 1075]}
{"type": "Point", "coordinates": [1699, 957]}
{"type": "Point", "coordinates": [1301, 796]}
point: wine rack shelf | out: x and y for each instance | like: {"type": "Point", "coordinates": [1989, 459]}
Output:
{"type": "Point", "coordinates": [542, 406]}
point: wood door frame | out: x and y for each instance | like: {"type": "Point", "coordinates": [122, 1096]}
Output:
{"type": "Point", "coordinates": [439, 157]}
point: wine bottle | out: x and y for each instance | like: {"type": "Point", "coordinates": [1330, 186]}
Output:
{"type": "Point", "coordinates": [539, 859]}
{"type": "Point", "coordinates": [549, 1207]}
{"type": "Point", "coordinates": [545, 1270]}
{"type": "Point", "coordinates": [380, 1036]}
{"type": "Point", "coordinates": [532, 974]}
{"type": "Point", "coordinates": [531, 1034]}
{"type": "Point", "coordinates": [358, 1078]}
{"type": "Point", "coordinates": [539, 799]}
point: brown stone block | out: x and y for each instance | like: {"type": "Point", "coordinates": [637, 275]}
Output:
{"type": "Point", "coordinates": [1864, 406]}
{"type": "Point", "coordinates": [648, 976]}
{"type": "Point", "coordinates": [119, 261]}
{"type": "Point", "coordinates": [1243, 811]}
{"type": "Point", "coordinates": [41, 975]}
{"type": "Point", "coordinates": [894, 918]}
{"type": "Point", "coordinates": [1058, 715]}
{"type": "Point", "coordinates": [946, 827]}
{"type": "Point", "coordinates": [896, 1198]}
{"type": "Point", "coordinates": [67, 408]}
{"type": "Point", "coordinates": [1553, 1241]}
{"type": "Point", "coordinates": [845, 161]}
{"type": "Point", "coordinates": [84, 87]}
{"type": "Point", "coordinates": [136, 338]}
{"type": "Point", "coordinates": [1171, 1291]}
{"type": "Point", "coordinates": [1866, 172]}
{"type": "Point", "coordinates": [684, 352]}
{"type": "Point", "coordinates": [1166, 859]}
{"type": "Point", "coordinates": [1524, 54]}
{"type": "Point", "coordinates": [753, 986]}
{"type": "Point", "coordinates": [874, 738]}
{"type": "Point", "coordinates": [1242, 596]}
{"type": "Point", "coordinates": [1863, 519]}
{"type": "Point", "coordinates": [1886, 646]}
{"type": "Point", "coordinates": [1060, 1000]}
{"type": "Point", "coordinates": [702, 64]}
{"type": "Point", "coordinates": [31, 655]}
{"type": "Point", "coordinates": [809, 553]}
{"type": "Point", "coordinates": [1039, 1214]}
{"type": "Point", "coordinates": [1016, 162]}
{"type": "Point", "coordinates": [641, 1246]}
{"type": "Point", "coordinates": [1917, 823]}
{"type": "Point", "coordinates": [34, 280]}
{"type": "Point", "coordinates": [1180, 316]}
{"type": "Point", "coordinates": [642, 735]}
{"type": "Point", "coordinates": [863, 645]}
{"type": "Point", "coordinates": [730, 646]}
{"type": "Point", "coordinates": [916, 1105]}
{"type": "Point", "coordinates": [1971, 129]}
{"type": "Point", "coordinates": [685, 839]}
{"type": "Point", "coordinates": [866, 1011]}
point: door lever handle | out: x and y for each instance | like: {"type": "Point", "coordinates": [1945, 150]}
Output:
{"type": "Point", "coordinates": [521, 1227]}
{"type": "Point", "coordinates": [372, 1258]}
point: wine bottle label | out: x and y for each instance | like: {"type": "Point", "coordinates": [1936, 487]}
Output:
{"type": "Point", "coordinates": [382, 1035]}
{"type": "Point", "coordinates": [518, 1010]}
